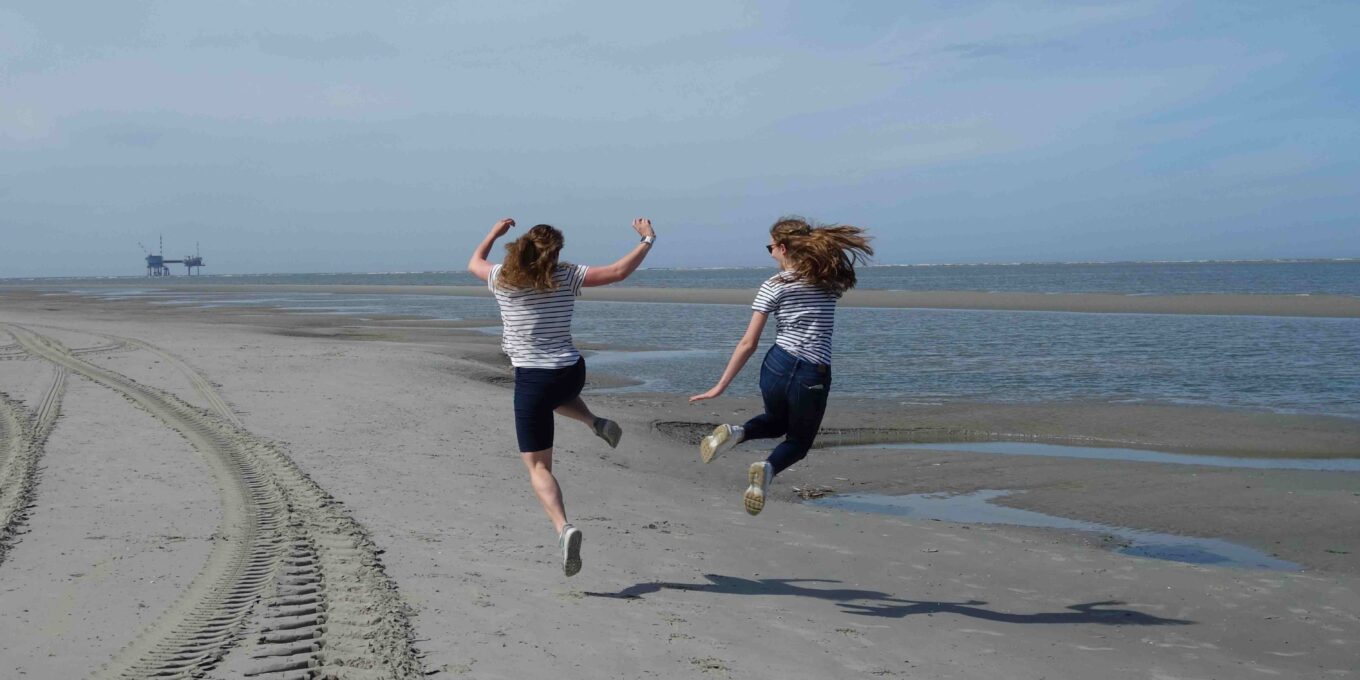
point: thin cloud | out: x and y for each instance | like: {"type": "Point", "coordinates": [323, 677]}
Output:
{"type": "Point", "coordinates": [132, 135]}
{"type": "Point", "coordinates": [349, 46]}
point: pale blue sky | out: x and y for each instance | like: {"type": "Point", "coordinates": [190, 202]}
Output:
{"type": "Point", "coordinates": [338, 136]}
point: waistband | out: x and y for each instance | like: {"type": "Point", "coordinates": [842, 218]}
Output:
{"type": "Point", "coordinates": [793, 361]}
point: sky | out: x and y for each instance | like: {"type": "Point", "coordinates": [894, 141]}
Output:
{"type": "Point", "coordinates": [364, 137]}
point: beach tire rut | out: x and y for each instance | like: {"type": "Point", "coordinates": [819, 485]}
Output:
{"type": "Point", "coordinates": [114, 345]}
{"type": "Point", "coordinates": [288, 563]}
{"type": "Point", "coordinates": [12, 351]}
{"type": "Point", "coordinates": [22, 439]}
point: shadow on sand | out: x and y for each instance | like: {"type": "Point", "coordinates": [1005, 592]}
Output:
{"type": "Point", "coordinates": [875, 603]}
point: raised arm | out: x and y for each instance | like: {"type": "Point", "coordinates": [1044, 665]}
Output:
{"type": "Point", "coordinates": [620, 270]}
{"type": "Point", "coordinates": [478, 265]}
{"type": "Point", "coordinates": [745, 348]}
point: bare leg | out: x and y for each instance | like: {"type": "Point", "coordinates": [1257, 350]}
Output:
{"type": "Point", "coordinates": [576, 409]}
{"type": "Point", "coordinates": [545, 486]}
{"type": "Point", "coordinates": [603, 428]}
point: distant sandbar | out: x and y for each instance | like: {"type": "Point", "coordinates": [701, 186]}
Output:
{"type": "Point", "coordinates": [1108, 303]}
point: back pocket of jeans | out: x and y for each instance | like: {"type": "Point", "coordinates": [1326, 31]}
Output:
{"type": "Point", "coordinates": [816, 385]}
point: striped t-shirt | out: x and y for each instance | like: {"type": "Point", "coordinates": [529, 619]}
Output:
{"type": "Point", "coordinates": [804, 315]}
{"type": "Point", "coordinates": [537, 325]}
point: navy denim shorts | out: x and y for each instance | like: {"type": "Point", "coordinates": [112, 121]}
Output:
{"type": "Point", "coordinates": [537, 392]}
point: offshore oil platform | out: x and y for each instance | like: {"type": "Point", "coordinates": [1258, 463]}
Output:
{"type": "Point", "coordinates": [156, 264]}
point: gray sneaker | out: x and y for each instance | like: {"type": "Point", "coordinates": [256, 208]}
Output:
{"type": "Point", "coordinates": [570, 544]}
{"type": "Point", "coordinates": [609, 431]}
{"type": "Point", "coordinates": [722, 438]}
{"type": "Point", "coordinates": [760, 474]}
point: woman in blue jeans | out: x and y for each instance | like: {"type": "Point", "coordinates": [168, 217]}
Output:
{"type": "Point", "coordinates": [816, 266]}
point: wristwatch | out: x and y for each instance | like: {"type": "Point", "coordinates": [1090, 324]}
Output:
{"type": "Point", "coordinates": [649, 240]}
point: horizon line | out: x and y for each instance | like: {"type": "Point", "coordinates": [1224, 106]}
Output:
{"type": "Point", "coordinates": [1298, 260]}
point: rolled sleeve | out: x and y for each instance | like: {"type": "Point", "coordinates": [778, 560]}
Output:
{"type": "Point", "coordinates": [767, 298]}
{"type": "Point", "coordinates": [578, 278]}
{"type": "Point", "coordinates": [491, 278]}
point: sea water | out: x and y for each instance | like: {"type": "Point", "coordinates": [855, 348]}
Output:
{"type": "Point", "coordinates": [1283, 364]}
{"type": "Point", "coordinates": [1313, 277]}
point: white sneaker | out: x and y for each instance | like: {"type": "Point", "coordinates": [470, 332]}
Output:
{"type": "Point", "coordinates": [570, 543]}
{"type": "Point", "coordinates": [760, 474]}
{"type": "Point", "coordinates": [723, 438]}
{"type": "Point", "coordinates": [609, 431]}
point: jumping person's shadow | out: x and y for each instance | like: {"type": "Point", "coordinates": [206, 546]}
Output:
{"type": "Point", "coordinates": [1089, 612]}
{"type": "Point", "coordinates": [875, 603]}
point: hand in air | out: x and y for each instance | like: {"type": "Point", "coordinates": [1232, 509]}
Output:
{"type": "Point", "coordinates": [643, 227]}
{"type": "Point", "coordinates": [502, 227]}
{"type": "Point", "coordinates": [715, 391]}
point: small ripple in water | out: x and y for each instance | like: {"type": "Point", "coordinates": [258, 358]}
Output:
{"type": "Point", "coordinates": [976, 508]}
{"type": "Point", "coordinates": [1100, 453]}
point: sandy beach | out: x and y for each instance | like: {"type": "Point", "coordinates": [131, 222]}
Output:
{"type": "Point", "coordinates": [230, 491]}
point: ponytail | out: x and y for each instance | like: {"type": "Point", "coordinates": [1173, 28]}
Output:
{"type": "Point", "coordinates": [823, 256]}
{"type": "Point", "coordinates": [531, 259]}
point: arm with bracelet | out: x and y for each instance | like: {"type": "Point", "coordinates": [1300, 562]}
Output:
{"type": "Point", "coordinates": [626, 265]}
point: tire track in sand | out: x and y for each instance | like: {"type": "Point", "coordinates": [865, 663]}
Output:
{"type": "Point", "coordinates": [14, 350]}
{"type": "Point", "coordinates": [114, 345]}
{"type": "Point", "coordinates": [329, 609]}
{"type": "Point", "coordinates": [15, 461]}
{"type": "Point", "coordinates": [21, 447]}
{"type": "Point", "coordinates": [200, 383]}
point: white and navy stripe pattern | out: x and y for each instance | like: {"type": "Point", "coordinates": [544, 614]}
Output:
{"type": "Point", "coordinates": [804, 315]}
{"type": "Point", "coordinates": [537, 325]}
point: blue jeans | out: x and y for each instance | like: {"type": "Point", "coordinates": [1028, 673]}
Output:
{"type": "Point", "coordinates": [795, 392]}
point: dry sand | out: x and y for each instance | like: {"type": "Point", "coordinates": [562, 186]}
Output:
{"type": "Point", "coordinates": [226, 491]}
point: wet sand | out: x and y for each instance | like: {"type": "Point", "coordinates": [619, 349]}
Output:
{"type": "Point", "coordinates": [382, 454]}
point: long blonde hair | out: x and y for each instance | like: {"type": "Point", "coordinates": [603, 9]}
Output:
{"type": "Point", "coordinates": [822, 256]}
{"type": "Point", "coordinates": [531, 260]}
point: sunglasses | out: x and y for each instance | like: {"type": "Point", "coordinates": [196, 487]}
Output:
{"type": "Point", "coordinates": [769, 249]}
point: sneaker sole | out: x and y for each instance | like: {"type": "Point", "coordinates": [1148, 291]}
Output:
{"type": "Point", "coordinates": [755, 495]}
{"type": "Point", "coordinates": [572, 565]}
{"type": "Point", "coordinates": [708, 448]}
{"type": "Point", "coordinates": [611, 433]}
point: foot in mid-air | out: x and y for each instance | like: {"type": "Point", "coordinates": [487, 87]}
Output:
{"type": "Point", "coordinates": [609, 431]}
{"type": "Point", "coordinates": [721, 439]}
{"type": "Point", "coordinates": [760, 474]}
{"type": "Point", "coordinates": [570, 544]}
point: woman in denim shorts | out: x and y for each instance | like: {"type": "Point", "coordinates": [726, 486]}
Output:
{"type": "Point", "coordinates": [536, 295]}
{"type": "Point", "coordinates": [816, 266]}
